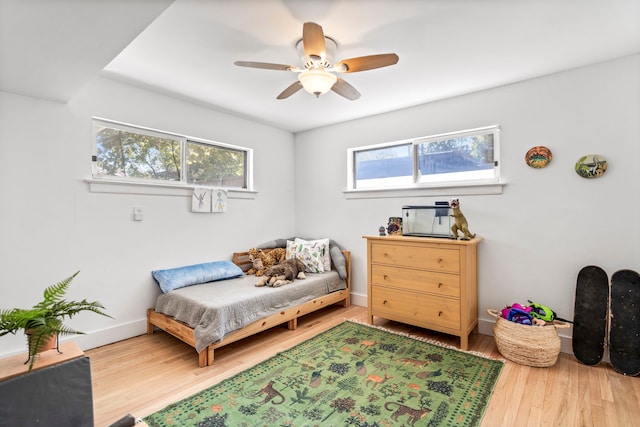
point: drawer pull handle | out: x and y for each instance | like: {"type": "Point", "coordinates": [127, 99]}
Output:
{"type": "Point", "coordinates": [384, 302]}
{"type": "Point", "coordinates": [385, 277]}
{"type": "Point", "coordinates": [440, 314]}
{"type": "Point", "coordinates": [440, 260]}
{"type": "Point", "coordinates": [440, 285]}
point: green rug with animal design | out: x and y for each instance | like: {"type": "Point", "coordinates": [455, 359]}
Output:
{"type": "Point", "coordinates": [350, 375]}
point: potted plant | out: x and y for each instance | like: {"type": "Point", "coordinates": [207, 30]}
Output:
{"type": "Point", "coordinates": [44, 321]}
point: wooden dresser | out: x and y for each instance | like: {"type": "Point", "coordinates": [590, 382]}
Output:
{"type": "Point", "coordinates": [426, 282]}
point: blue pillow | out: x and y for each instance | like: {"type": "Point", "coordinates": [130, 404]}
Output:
{"type": "Point", "coordinates": [176, 278]}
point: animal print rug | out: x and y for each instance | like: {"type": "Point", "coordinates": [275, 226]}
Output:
{"type": "Point", "coordinates": [350, 375]}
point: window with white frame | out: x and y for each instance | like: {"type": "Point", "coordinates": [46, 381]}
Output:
{"type": "Point", "coordinates": [470, 156]}
{"type": "Point", "coordinates": [124, 152]}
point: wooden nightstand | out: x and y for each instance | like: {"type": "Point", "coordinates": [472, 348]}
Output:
{"type": "Point", "coordinates": [426, 282]}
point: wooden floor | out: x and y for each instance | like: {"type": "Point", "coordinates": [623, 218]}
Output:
{"type": "Point", "coordinates": [143, 374]}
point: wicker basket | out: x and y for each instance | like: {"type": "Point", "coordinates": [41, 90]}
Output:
{"type": "Point", "coordinates": [537, 346]}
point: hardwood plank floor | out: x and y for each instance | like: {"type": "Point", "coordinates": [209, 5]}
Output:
{"type": "Point", "coordinates": [143, 374]}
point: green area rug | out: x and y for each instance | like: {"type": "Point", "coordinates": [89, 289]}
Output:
{"type": "Point", "coordinates": [350, 375]}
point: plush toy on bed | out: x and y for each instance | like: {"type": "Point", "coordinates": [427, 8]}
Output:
{"type": "Point", "coordinates": [282, 273]}
{"type": "Point", "coordinates": [264, 259]}
{"type": "Point", "coordinates": [257, 265]}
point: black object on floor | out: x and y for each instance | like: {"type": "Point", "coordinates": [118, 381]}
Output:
{"type": "Point", "coordinates": [55, 396]}
{"type": "Point", "coordinates": [590, 315]}
{"type": "Point", "coordinates": [126, 421]}
{"type": "Point", "coordinates": [624, 336]}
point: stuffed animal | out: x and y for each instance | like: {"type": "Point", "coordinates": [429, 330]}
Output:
{"type": "Point", "coordinates": [282, 273]}
{"type": "Point", "coordinates": [257, 265]}
{"type": "Point", "coordinates": [264, 259]}
{"type": "Point", "coordinates": [460, 222]}
{"type": "Point", "coordinates": [254, 257]}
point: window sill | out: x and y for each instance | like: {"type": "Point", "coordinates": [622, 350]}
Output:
{"type": "Point", "coordinates": [458, 189]}
{"type": "Point", "coordinates": [179, 190]}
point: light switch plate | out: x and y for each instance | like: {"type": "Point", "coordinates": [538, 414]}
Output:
{"type": "Point", "coordinates": [138, 213]}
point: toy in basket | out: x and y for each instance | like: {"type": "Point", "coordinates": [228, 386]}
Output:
{"type": "Point", "coordinates": [537, 346]}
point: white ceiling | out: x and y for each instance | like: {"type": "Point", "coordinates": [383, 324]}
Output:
{"type": "Point", "coordinates": [50, 48]}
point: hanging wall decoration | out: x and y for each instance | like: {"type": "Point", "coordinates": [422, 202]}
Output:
{"type": "Point", "coordinates": [219, 200]}
{"type": "Point", "coordinates": [209, 200]}
{"type": "Point", "coordinates": [591, 166]}
{"type": "Point", "coordinates": [201, 200]}
{"type": "Point", "coordinates": [538, 157]}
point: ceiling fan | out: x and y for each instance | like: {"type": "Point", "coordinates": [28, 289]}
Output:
{"type": "Point", "coordinates": [318, 75]}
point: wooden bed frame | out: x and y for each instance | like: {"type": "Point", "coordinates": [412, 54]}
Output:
{"type": "Point", "coordinates": [289, 315]}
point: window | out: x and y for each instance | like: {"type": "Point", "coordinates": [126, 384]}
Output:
{"type": "Point", "coordinates": [384, 166]}
{"type": "Point", "coordinates": [457, 157]}
{"type": "Point", "coordinates": [130, 153]}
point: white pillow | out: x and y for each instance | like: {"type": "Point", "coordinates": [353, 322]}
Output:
{"type": "Point", "coordinates": [322, 246]}
{"type": "Point", "coordinates": [309, 254]}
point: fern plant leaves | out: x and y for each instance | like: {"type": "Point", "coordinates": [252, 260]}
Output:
{"type": "Point", "coordinates": [55, 293]}
{"type": "Point", "coordinates": [45, 319]}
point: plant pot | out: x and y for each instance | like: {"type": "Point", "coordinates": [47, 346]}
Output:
{"type": "Point", "coordinates": [48, 343]}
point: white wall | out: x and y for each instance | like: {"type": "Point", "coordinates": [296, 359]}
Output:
{"type": "Point", "coordinates": [548, 223]}
{"type": "Point", "coordinates": [52, 225]}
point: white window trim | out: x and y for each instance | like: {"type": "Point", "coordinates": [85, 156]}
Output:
{"type": "Point", "coordinates": [97, 185]}
{"type": "Point", "coordinates": [427, 189]}
{"type": "Point", "coordinates": [450, 189]}
{"type": "Point", "coordinates": [116, 185]}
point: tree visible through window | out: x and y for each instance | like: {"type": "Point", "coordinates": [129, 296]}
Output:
{"type": "Point", "coordinates": [128, 153]}
{"type": "Point", "coordinates": [215, 166]}
{"type": "Point", "coordinates": [125, 154]}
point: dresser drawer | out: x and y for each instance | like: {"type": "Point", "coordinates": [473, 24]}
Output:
{"type": "Point", "coordinates": [416, 309]}
{"type": "Point", "coordinates": [416, 280]}
{"type": "Point", "coordinates": [431, 258]}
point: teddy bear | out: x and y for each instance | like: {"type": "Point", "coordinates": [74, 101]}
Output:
{"type": "Point", "coordinates": [282, 273]}
{"type": "Point", "coordinates": [262, 260]}
{"type": "Point", "coordinates": [256, 266]}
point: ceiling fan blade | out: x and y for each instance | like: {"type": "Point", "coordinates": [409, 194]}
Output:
{"type": "Point", "coordinates": [370, 62]}
{"type": "Point", "coordinates": [313, 41]}
{"type": "Point", "coordinates": [296, 86]}
{"type": "Point", "coordinates": [264, 65]}
{"type": "Point", "coordinates": [343, 88]}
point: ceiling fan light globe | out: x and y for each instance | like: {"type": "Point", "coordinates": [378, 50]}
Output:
{"type": "Point", "coordinates": [317, 81]}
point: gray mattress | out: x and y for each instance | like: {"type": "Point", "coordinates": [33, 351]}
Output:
{"type": "Point", "coordinates": [216, 309]}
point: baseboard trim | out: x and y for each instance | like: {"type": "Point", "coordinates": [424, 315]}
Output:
{"type": "Point", "coordinates": [359, 300]}
{"type": "Point", "coordinates": [110, 335]}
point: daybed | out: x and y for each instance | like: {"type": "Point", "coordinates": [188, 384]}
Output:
{"type": "Point", "coordinates": [211, 315]}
